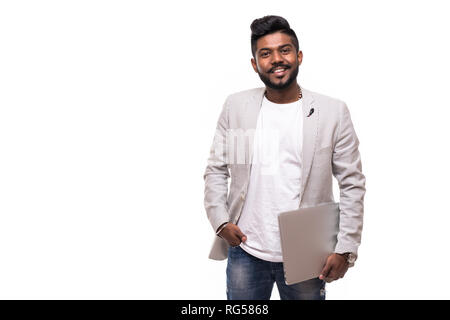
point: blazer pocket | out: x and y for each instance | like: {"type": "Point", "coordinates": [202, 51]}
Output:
{"type": "Point", "coordinates": [322, 157]}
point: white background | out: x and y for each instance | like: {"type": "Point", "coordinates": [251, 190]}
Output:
{"type": "Point", "coordinates": [108, 110]}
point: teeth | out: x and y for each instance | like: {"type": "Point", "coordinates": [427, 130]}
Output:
{"type": "Point", "coordinates": [279, 70]}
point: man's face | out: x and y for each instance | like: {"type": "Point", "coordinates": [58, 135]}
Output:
{"type": "Point", "coordinates": [276, 60]}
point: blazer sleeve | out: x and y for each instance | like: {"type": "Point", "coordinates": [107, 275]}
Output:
{"type": "Point", "coordinates": [216, 174]}
{"type": "Point", "coordinates": [347, 169]}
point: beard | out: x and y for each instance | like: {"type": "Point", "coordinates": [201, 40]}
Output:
{"type": "Point", "coordinates": [279, 86]}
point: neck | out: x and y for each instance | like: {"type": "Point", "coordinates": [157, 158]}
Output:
{"type": "Point", "coordinates": [286, 95]}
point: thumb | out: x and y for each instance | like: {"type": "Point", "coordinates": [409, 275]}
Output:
{"type": "Point", "coordinates": [241, 236]}
{"type": "Point", "coordinates": [325, 271]}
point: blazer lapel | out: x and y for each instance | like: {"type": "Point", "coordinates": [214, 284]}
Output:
{"type": "Point", "coordinates": [310, 129]}
{"type": "Point", "coordinates": [252, 110]}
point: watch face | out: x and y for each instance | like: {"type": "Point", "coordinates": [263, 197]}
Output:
{"type": "Point", "coordinates": [351, 258]}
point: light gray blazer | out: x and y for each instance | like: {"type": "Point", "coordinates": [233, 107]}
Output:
{"type": "Point", "coordinates": [330, 148]}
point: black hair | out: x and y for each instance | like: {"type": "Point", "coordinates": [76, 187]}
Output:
{"type": "Point", "coordinates": [270, 24]}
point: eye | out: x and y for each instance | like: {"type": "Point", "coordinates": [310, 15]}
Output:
{"type": "Point", "coordinates": [264, 54]}
{"type": "Point", "coordinates": [285, 50]}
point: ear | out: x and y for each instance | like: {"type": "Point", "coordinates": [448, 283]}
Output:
{"type": "Point", "coordinates": [300, 57]}
{"type": "Point", "coordinates": [254, 65]}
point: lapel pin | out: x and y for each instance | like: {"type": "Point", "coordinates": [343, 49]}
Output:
{"type": "Point", "coordinates": [310, 112]}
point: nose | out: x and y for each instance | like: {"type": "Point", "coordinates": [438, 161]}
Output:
{"type": "Point", "coordinates": [276, 58]}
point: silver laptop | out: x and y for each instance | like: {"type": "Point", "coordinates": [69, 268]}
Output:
{"type": "Point", "coordinates": [308, 236]}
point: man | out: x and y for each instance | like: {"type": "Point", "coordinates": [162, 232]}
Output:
{"type": "Point", "coordinates": [281, 144]}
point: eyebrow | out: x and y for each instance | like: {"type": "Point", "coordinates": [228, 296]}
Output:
{"type": "Point", "coordinates": [279, 47]}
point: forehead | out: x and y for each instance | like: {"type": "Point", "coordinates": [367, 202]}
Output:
{"type": "Point", "coordinates": [273, 41]}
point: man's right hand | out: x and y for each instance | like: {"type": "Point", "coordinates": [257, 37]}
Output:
{"type": "Point", "coordinates": [232, 234]}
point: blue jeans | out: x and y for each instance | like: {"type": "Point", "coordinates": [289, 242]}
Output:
{"type": "Point", "coordinates": [250, 278]}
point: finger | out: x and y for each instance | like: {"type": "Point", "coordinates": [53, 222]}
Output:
{"type": "Point", "coordinates": [339, 273]}
{"type": "Point", "coordinates": [334, 271]}
{"type": "Point", "coordinates": [232, 239]}
{"type": "Point", "coordinates": [328, 280]}
{"type": "Point", "coordinates": [237, 240]}
{"type": "Point", "coordinates": [343, 272]}
{"type": "Point", "coordinates": [325, 271]}
{"type": "Point", "coordinates": [242, 237]}
{"type": "Point", "coordinates": [234, 242]}
{"type": "Point", "coordinates": [333, 275]}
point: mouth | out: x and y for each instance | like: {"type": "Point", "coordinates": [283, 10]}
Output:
{"type": "Point", "coordinates": [280, 71]}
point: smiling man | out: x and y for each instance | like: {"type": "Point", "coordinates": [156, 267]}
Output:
{"type": "Point", "coordinates": [293, 142]}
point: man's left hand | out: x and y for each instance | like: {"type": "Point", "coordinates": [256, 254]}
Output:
{"type": "Point", "coordinates": [335, 267]}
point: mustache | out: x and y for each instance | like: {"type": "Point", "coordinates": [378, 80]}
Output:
{"type": "Point", "coordinates": [280, 65]}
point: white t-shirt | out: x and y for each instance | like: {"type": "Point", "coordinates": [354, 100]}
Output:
{"type": "Point", "coordinates": [275, 177]}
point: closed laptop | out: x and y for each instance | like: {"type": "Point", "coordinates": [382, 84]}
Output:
{"type": "Point", "coordinates": [308, 237]}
